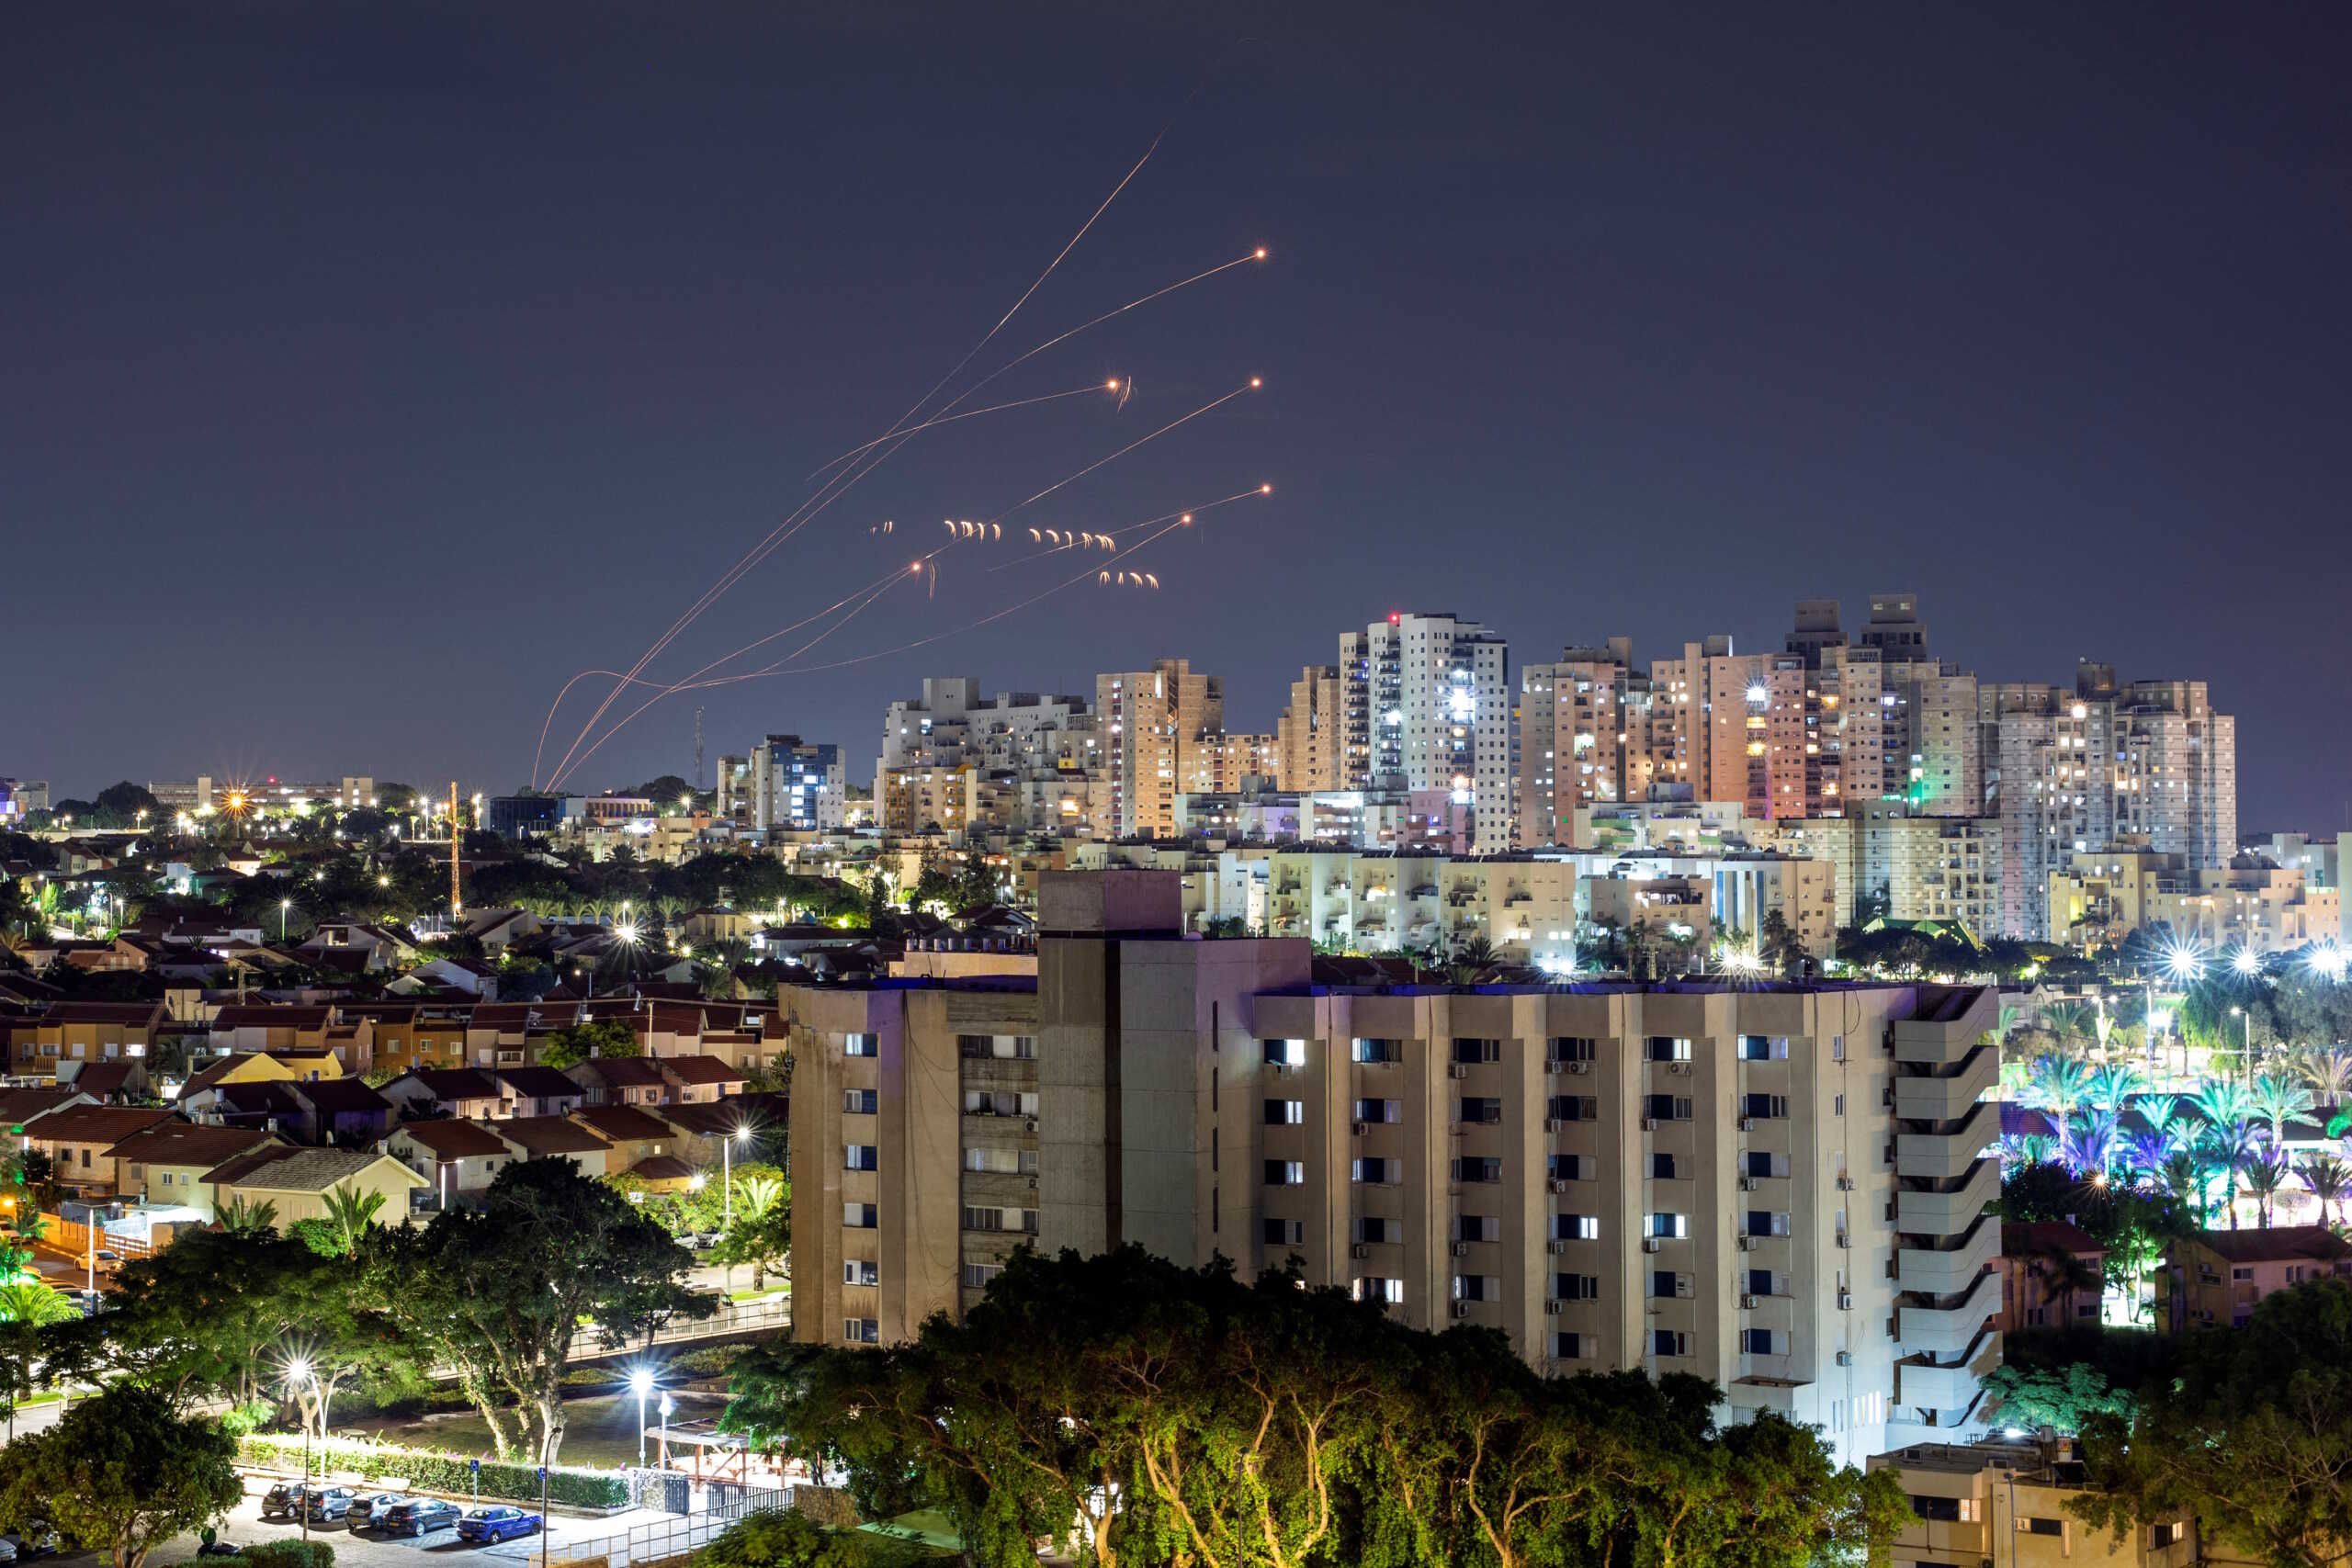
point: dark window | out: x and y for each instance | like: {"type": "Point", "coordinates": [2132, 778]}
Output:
{"type": "Point", "coordinates": [1766, 1105]}
{"type": "Point", "coordinates": [1758, 1163]}
{"type": "Point", "coordinates": [1470, 1051]}
{"type": "Point", "coordinates": [1478, 1169]}
{"type": "Point", "coordinates": [1662, 1167]}
{"type": "Point", "coordinates": [1662, 1282]}
{"type": "Point", "coordinates": [1573, 1108]}
{"type": "Point", "coordinates": [1760, 1282]}
{"type": "Point", "coordinates": [1481, 1110]}
{"type": "Point", "coordinates": [1572, 1048]}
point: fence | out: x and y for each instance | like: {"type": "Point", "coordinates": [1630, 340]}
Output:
{"type": "Point", "coordinates": [732, 1317]}
{"type": "Point", "coordinates": [680, 1536]}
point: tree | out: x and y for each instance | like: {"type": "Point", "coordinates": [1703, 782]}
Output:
{"type": "Point", "coordinates": [500, 1291]}
{"type": "Point", "coordinates": [124, 1469]}
{"type": "Point", "coordinates": [575, 1042]}
{"type": "Point", "coordinates": [240, 1218]}
{"type": "Point", "coordinates": [2065, 1397]}
{"type": "Point", "coordinates": [2249, 1438]}
{"type": "Point", "coordinates": [2329, 1179]}
{"type": "Point", "coordinates": [353, 1215]}
{"type": "Point", "coordinates": [762, 1230]}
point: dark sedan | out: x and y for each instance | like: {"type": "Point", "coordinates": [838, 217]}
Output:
{"type": "Point", "coordinates": [418, 1515]}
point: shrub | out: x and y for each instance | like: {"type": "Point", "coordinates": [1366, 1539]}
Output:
{"type": "Point", "coordinates": [430, 1471]}
{"type": "Point", "coordinates": [785, 1538]}
{"type": "Point", "coordinates": [287, 1555]}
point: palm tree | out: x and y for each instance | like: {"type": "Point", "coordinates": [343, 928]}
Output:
{"type": "Point", "coordinates": [1471, 957]}
{"type": "Point", "coordinates": [2064, 1276]}
{"type": "Point", "coordinates": [2059, 1084]}
{"type": "Point", "coordinates": [352, 1211]}
{"type": "Point", "coordinates": [2224, 1100]}
{"type": "Point", "coordinates": [2068, 1022]}
{"type": "Point", "coordinates": [30, 1302]}
{"type": "Point", "coordinates": [2329, 1074]}
{"type": "Point", "coordinates": [2279, 1100]}
{"type": "Point", "coordinates": [2184, 1180]}
{"type": "Point", "coordinates": [2229, 1147]}
{"type": "Point", "coordinates": [2113, 1085]}
{"type": "Point", "coordinates": [2087, 1141]}
{"type": "Point", "coordinates": [2329, 1178]}
{"type": "Point", "coordinates": [2159, 1111]}
{"type": "Point", "coordinates": [2265, 1174]}
{"type": "Point", "coordinates": [249, 1220]}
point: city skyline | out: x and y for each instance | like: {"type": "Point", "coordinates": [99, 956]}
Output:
{"type": "Point", "coordinates": [1543, 345]}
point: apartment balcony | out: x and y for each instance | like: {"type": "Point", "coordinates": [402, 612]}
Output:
{"type": "Point", "coordinates": [1959, 1019]}
{"type": "Point", "coordinates": [1950, 1214]}
{"type": "Point", "coordinates": [1946, 1331]}
{"type": "Point", "coordinates": [1947, 1097]}
{"type": "Point", "coordinates": [1944, 1387]}
{"type": "Point", "coordinates": [1948, 1270]}
{"type": "Point", "coordinates": [1940, 1156]}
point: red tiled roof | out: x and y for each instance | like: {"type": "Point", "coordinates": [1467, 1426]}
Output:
{"type": "Point", "coordinates": [93, 1124]}
{"type": "Point", "coordinates": [541, 1136]}
{"type": "Point", "coordinates": [2283, 1244]}
{"type": "Point", "coordinates": [456, 1140]}
{"type": "Point", "coordinates": [2028, 1238]}
{"type": "Point", "coordinates": [622, 1122]}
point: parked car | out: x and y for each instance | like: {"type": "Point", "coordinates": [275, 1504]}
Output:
{"type": "Point", "coordinates": [370, 1509]}
{"type": "Point", "coordinates": [284, 1501]}
{"type": "Point", "coordinates": [487, 1525]}
{"type": "Point", "coordinates": [329, 1503]}
{"type": "Point", "coordinates": [107, 1258]}
{"type": "Point", "coordinates": [37, 1539]}
{"type": "Point", "coordinates": [7, 1552]}
{"type": "Point", "coordinates": [419, 1515]}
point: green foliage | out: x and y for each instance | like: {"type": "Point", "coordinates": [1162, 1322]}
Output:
{"type": "Point", "coordinates": [287, 1555]}
{"type": "Point", "coordinates": [430, 1471]}
{"type": "Point", "coordinates": [576, 1043]}
{"type": "Point", "coordinates": [2063, 1398]}
{"type": "Point", "coordinates": [1272, 1424]}
{"type": "Point", "coordinates": [122, 1470]}
{"type": "Point", "coordinates": [784, 1538]}
{"type": "Point", "coordinates": [319, 1235]}
{"type": "Point", "coordinates": [2250, 1437]}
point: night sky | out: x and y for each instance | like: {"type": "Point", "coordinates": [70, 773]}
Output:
{"type": "Point", "coordinates": [364, 373]}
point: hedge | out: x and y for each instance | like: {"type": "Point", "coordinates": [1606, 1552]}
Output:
{"type": "Point", "coordinates": [453, 1474]}
{"type": "Point", "coordinates": [287, 1555]}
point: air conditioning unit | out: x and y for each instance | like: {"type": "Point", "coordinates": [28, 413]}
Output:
{"type": "Point", "coordinates": [1359, 1128]}
{"type": "Point", "coordinates": [1844, 1240]}
{"type": "Point", "coordinates": [1360, 1249]}
{"type": "Point", "coordinates": [1462, 1309]}
{"type": "Point", "coordinates": [1458, 1070]}
{"type": "Point", "coordinates": [1649, 1123]}
{"type": "Point", "coordinates": [1680, 1069]}
{"type": "Point", "coordinates": [1580, 1069]}
{"type": "Point", "coordinates": [1557, 1184]}
{"type": "Point", "coordinates": [1032, 1184]}
{"type": "Point", "coordinates": [1845, 1301]}
{"type": "Point", "coordinates": [1845, 1358]}
{"type": "Point", "coordinates": [1559, 1247]}
{"type": "Point", "coordinates": [1887, 1096]}
{"type": "Point", "coordinates": [1845, 1184]}
{"type": "Point", "coordinates": [1461, 1249]}
{"type": "Point", "coordinates": [1746, 1124]}
{"type": "Point", "coordinates": [1747, 1184]}
{"type": "Point", "coordinates": [1652, 1243]}
{"type": "Point", "coordinates": [1553, 1069]}
{"type": "Point", "coordinates": [1551, 1123]}
{"type": "Point", "coordinates": [1030, 1125]}
{"type": "Point", "coordinates": [1748, 1303]}
{"type": "Point", "coordinates": [1748, 1243]}
{"type": "Point", "coordinates": [1552, 1306]}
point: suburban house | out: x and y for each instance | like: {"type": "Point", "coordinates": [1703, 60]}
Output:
{"type": "Point", "coordinates": [559, 1137]}
{"type": "Point", "coordinates": [107, 1082]}
{"type": "Point", "coordinates": [459, 1159]}
{"type": "Point", "coordinates": [620, 1080]}
{"type": "Point", "coordinates": [166, 1163]}
{"type": "Point", "coordinates": [699, 1081]}
{"type": "Point", "coordinates": [20, 1105]}
{"type": "Point", "coordinates": [2053, 1274]}
{"type": "Point", "coordinates": [470, 977]}
{"type": "Point", "coordinates": [268, 1026]}
{"type": "Point", "coordinates": [383, 947]}
{"type": "Point", "coordinates": [344, 1111]}
{"type": "Point", "coordinates": [268, 1104]}
{"type": "Point", "coordinates": [540, 1091]}
{"type": "Point", "coordinates": [81, 1140]}
{"type": "Point", "coordinates": [636, 1135]}
{"type": "Point", "coordinates": [461, 1092]}
{"type": "Point", "coordinates": [2216, 1276]}
{"type": "Point", "coordinates": [496, 928]}
{"type": "Point", "coordinates": [297, 1181]}
{"type": "Point", "coordinates": [82, 1032]}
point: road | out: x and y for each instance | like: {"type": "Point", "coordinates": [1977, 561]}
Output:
{"type": "Point", "coordinates": [364, 1549]}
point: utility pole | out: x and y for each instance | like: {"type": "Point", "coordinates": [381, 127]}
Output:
{"type": "Point", "coordinates": [456, 902]}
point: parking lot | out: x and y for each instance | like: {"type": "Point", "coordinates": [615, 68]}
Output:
{"type": "Point", "coordinates": [366, 1548]}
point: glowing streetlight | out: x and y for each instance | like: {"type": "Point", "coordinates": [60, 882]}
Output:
{"type": "Point", "coordinates": [640, 1383]}
{"type": "Point", "coordinates": [2183, 963]}
{"type": "Point", "coordinates": [727, 1175]}
{"type": "Point", "coordinates": [284, 905]}
{"type": "Point", "coordinates": [1759, 693]}
{"type": "Point", "coordinates": [2244, 962]}
{"type": "Point", "coordinates": [2329, 961]}
{"type": "Point", "coordinates": [298, 1374]}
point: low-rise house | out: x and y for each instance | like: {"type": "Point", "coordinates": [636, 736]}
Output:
{"type": "Point", "coordinates": [342, 1111]}
{"type": "Point", "coordinates": [699, 1081]}
{"type": "Point", "coordinates": [166, 1162]}
{"type": "Point", "coordinates": [80, 1139]}
{"type": "Point", "coordinates": [297, 1181]}
{"type": "Point", "coordinates": [461, 1092]}
{"type": "Point", "coordinates": [268, 1105]}
{"type": "Point", "coordinates": [540, 1091]}
{"type": "Point", "coordinates": [2215, 1278]}
{"type": "Point", "coordinates": [109, 1083]}
{"type": "Point", "coordinates": [620, 1080]}
{"type": "Point", "coordinates": [559, 1137]}
{"type": "Point", "coordinates": [470, 977]}
{"type": "Point", "coordinates": [82, 1032]}
{"type": "Point", "coordinates": [384, 947]}
{"type": "Point", "coordinates": [458, 1159]}
{"type": "Point", "coordinates": [497, 929]}
{"type": "Point", "coordinates": [635, 1135]}
{"type": "Point", "coordinates": [712, 1135]}
{"type": "Point", "coordinates": [271, 1027]}
{"type": "Point", "coordinates": [2053, 1274]}
{"type": "Point", "coordinates": [19, 1107]}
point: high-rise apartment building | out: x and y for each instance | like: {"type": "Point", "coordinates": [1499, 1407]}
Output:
{"type": "Point", "coordinates": [1159, 733]}
{"type": "Point", "coordinates": [797, 785]}
{"type": "Point", "coordinates": [2147, 766]}
{"type": "Point", "coordinates": [1310, 737]}
{"type": "Point", "coordinates": [1025, 733]}
{"type": "Point", "coordinates": [1781, 1189]}
{"type": "Point", "coordinates": [1427, 706]}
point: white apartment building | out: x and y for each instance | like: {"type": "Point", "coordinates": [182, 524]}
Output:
{"type": "Point", "coordinates": [1426, 702]}
{"type": "Point", "coordinates": [952, 724]}
{"type": "Point", "coordinates": [1781, 1189]}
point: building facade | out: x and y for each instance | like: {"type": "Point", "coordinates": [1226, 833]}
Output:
{"type": "Point", "coordinates": [797, 785]}
{"type": "Point", "coordinates": [1427, 703]}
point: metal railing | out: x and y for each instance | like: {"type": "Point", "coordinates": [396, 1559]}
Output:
{"type": "Point", "coordinates": [680, 1536]}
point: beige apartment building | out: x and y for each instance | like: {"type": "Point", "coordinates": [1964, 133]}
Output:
{"type": "Point", "coordinates": [1926, 868]}
{"type": "Point", "coordinates": [2100, 897]}
{"type": "Point", "coordinates": [1310, 737]}
{"type": "Point", "coordinates": [2004, 1503]}
{"type": "Point", "coordinates": [1782, 1189]}
{"type": "Point", "coordinates": [1159, 732]}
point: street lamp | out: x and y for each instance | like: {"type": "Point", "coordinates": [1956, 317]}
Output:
{"type": "Point", "coordinates": [298, 1371]}
{"type": "Point", "coordinates": [284, 905]}
{"type": "Point", "coordinates": [2245, 963]}
{"type": "Point", "coordinates": [2245, 1018]}
{"type": "Point", "coordinates": [640, 1383]}
{"type": "Point", "coordinates": [727, 1176]}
